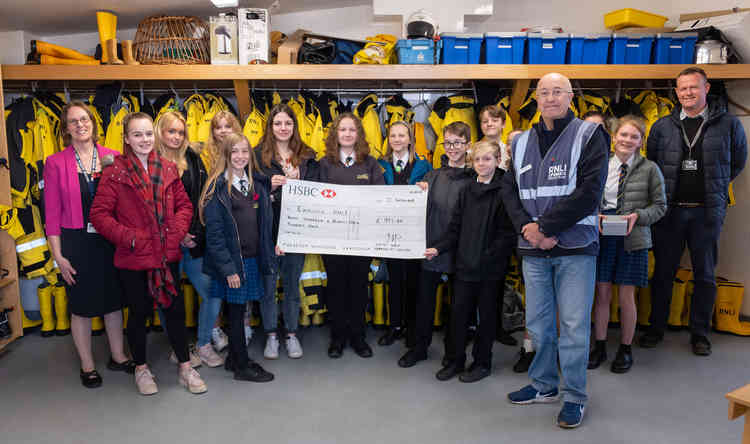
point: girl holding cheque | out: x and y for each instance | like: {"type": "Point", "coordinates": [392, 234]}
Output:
{"type": "Point", "coordinates": [236, 209]}
{"type": "Point", "coordinates": [482, 237]}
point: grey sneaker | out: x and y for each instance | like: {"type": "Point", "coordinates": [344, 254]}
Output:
{"type": "Point", "coordinates": [144, 380]}
{"type": "Point", "coordinates": [272, 347]}
{"type": "Point", "coordinates": [293, 347]}
{"type": "Point", "coordinates": [195, 360]}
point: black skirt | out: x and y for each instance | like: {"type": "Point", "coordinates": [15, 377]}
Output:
{"type": "Point", "coordinates": [97, 289]}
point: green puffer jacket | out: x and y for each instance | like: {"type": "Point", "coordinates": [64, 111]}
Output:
{"type": "Point", "coordinates": [644, 195]}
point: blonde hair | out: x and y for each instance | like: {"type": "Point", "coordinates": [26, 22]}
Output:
{"type": "Point", "coordinates": [221, 166]}
{"type": "Point", "coordinates": [634, 121]}
{"type": "Point", "coordinates": [410, 131]}
{"type": "Point", "coordinates": [211, 147]}
{"type": "Point", "coordinates": [485, 146]}
{"type": "Point", "coordinates": [164, 122]}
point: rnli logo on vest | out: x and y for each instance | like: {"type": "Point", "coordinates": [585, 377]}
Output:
{"type": "Point", "coordinates": [557, 172]}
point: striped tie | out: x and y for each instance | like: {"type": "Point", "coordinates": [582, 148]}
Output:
{"type": "Point", "coordinates": [621, 186]}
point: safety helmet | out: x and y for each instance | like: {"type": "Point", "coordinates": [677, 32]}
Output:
{"type": "Point", "coordinates": [420, 25]}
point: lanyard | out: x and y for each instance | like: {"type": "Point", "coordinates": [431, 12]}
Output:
{"type": "Point", "coordinates": [695, 139]}
{"type": "Point", "coordinates": [89, 175]}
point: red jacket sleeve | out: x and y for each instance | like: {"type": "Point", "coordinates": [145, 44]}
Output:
{"type": "Point", "coordinates": [102, 213]}
{"type": "Point", "coordinates": [183, 209]}
{"type": "Point", "coordinates": [52, 198]}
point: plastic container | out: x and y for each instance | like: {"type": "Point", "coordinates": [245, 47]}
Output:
{"type": "Point", "coordinates": [504, 47]}
{"type": "Point", "coordinates": [675, 48]}
{"type": "Point", "coordinates": [629, 17]}
{"type": "Point", "coordinates": [631, 49]}
{"type": "Point", "coordinates": [547, 49]}
{"type": "Point", "coordinates": [416, 52]}
{"type": "Point", "coordinates": [461, 49]}
{"type": "Point", "coordinates": [588, 49]}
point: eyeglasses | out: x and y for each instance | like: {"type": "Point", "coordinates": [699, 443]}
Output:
{"type": "Point", "coordinates": [556, 93]}
{"type": "Point", "coordinates": [451, 145]}
{"type": "Point", "coordinates": [83, 120]}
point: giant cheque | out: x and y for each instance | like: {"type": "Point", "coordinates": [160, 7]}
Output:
{"type": "Point", "coordinates": [359, 220]}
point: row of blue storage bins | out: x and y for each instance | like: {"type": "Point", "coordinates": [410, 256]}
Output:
{"type": "Point", "coordinates": [550, 49]}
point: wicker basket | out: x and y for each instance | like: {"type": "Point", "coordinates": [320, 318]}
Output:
{"type": "Point", "coordinates": [170, 40]}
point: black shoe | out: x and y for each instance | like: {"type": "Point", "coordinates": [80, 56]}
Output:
{"type": "Point", "coordinates": [391, 336]}
{"type": "Point", "coordinates": [127, 366]}
{"type": "Point", "coordinates": [411, 358]}
{"type": "Point", "coordinates": [361, 348]}
{"type": "Point", "coordinates": [446, 361]}
{"type": "Point", "coordinates": [650, 340]}
{"type": "Point", "coordinates": [701, 345]}
{"type": "Point", "coordinates": [623, 361]}
{"type": "Point", "coordinates": [597, 356]}
{"type": "Point", "coordinates": [253, 372]}
{"type": "Point", "coordinates": [504, 337]}
{"type": "Point", "coordinates": [336, 349]}
{"type": "Point", "coordinates": [449, 371]}
{"type": "Point", "coordinates": [91, 379]}
{"type": "Point", "coordinates": [64, 332]}
{"type": "Point", "coordinates": [524, 361]}
{"type": "Point", "coordinates": [475, 373]}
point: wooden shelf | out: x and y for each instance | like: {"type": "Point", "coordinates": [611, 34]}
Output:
{"type": "Point", "coordinates": [357, 72]}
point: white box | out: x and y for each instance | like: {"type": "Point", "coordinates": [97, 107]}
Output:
{"type": "Point", "coordinates": [734, 27]}
{"type": "Point", "coordinates": [224, 48]}
{"type": "Point", "coordinates": [614, 225]}
{"type": "Point", "coordinates": [253, 25]}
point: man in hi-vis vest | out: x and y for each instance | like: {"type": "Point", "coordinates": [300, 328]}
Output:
{"type": "Point", "coordinates": [552, 193]}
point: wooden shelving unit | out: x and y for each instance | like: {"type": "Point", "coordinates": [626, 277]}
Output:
{"type": "Point", "coordinates": [241, 78]}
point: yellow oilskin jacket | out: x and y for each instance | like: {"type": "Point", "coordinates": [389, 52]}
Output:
{"type": "Point", "coordinates": [366, 110]}
{"type": "Point", "coordinates": [447, 110]}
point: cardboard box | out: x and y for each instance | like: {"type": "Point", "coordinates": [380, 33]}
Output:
{"type": "Point", "coordinates": [289, 50]}
{"type": "Point", "coordinates": [224, 48]}
{"type": "Point", "coordinates": [701, 15]}
{"type": "Point", "coordinates": [614, 226]}
{"type": "Point", "coordinates": [253, 26]}
{"type": "Point", "coordinates": [733, 26]}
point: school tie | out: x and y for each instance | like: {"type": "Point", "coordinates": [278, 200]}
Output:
{"type": "Point", "coordinates": [349, 161]}
{"type": "Point", "coordinates": [399, 165]}
{"type": "Point", "coordinates": [621, 186]}
{"type": "Point", "coordinates": [243, 187]}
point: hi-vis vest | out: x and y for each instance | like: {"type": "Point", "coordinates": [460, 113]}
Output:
{"type": "Point", "coordinates": [542, 182]}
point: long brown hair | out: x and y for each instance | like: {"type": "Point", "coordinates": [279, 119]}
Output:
{"type": "Point", "coordinates": [126, 149]}
{"type": "Point", "coordinates": [361, 147]}
{"type": "Point", "coordinates": [389, 149]}
{"type": "Point", "coordinates": [67, 138]}
{"type": "Point", "coordinates": [268, 143]}
{"type": "Point", "coordinates": [221, 166]}
{"type": "Point", "coordinates": [211, 148]}
{"type": "Point", "coordinates": [164, 121]}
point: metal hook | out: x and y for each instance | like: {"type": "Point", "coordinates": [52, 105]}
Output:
{"type": "Point", "coordinates": [34, 85]}
{"type": "Point", "coordinates": [140, 87]}
{"type": "Point", "coordinates": [65, 90]}
{"type": "Point", "coordinates": [618, 91]}
{"type": "Point", "coordinates": [195, 88]}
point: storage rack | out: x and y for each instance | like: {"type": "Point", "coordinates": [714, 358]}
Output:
{"type": "Point", "coordinates": [243, 78]}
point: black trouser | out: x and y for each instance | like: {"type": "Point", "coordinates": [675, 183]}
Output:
{"type": "Point", "coordinates": [141, 306]}
{"type": "Point", "coordinates": [467, 295]}
{"type": "Point", "coordinates": [346, 295]}
{"type": "Point", "coordinates": [402, 295]}
{"type": "Point", "coordinates": [429, 281]}
{"type": "Point", "coordinates": [680, 227]}
{"type": "Point", "coordinates": [237, 346]}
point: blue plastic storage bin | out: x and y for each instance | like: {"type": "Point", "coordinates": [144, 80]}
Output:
{"type": "Point", "coordinates": [461, 48]}
{"type": "Point", "coordinates": [547, 48]}
{"type": "Point", "coordinates": [416, 52]}
{"type": "Point", "coordinates": [504, 47]}
{"type": "Point", "coordinates": [675, 48]}
{"type": "Point", "coordinates": [631, 49]}
{"type": "Point", "coordinates": [588, 49]}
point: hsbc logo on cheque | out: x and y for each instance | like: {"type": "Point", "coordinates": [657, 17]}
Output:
{"type": "Point", "coordinates": [328, 193]}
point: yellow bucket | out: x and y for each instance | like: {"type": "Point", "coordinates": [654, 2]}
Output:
{"type": "Point", "coordinates": [629, 17]}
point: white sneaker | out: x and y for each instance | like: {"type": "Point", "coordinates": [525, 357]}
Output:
{"type": "Point", "coordinates": [195, 360]}
{"type": "Point", "coordinates": [293, 347]}
{"type": "Point", "coordinates": [248, 334]}
{"type": "Point", "coordinates": [209, 356]}
{"type": "Point", "coordinates": [144, 380]}
{"type": "Point", "coordinates": [219, 339]}
{"type": "Point", "coordinates": [272, 347]}
{"type": "Point", "coordinates": [191, 380]}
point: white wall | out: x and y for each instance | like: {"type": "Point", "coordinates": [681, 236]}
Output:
{"type": "Point", "coordinates": [11, 48]}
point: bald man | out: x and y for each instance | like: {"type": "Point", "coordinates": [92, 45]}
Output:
{"type": "Point", "coordinates": [552, 193]}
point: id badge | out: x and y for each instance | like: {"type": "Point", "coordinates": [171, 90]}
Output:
{"type": "Point", "coordinates": [689, 165]}
{"type": "Point", "coordinates": [90, 228]}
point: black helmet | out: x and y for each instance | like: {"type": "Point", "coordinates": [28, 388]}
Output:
{"type": "Point", "coordinates": [420, 25]}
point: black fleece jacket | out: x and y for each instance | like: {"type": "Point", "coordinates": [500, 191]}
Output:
{"type": "Point", "coordinates": [591, 177]}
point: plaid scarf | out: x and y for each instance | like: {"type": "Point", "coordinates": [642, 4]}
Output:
{"type": "Point", "coordinates": [161, 283]}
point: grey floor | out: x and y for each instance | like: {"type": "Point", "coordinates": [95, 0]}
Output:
{"type": "Point", "coordinates": [670, 396]}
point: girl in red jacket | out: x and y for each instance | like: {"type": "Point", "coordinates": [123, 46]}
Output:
{"type": "Point", "coordinates": [142, 208]}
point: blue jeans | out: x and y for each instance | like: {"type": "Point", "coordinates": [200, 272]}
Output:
{"type": "Point", "coordinates": [565, 286]}
{"type": "Point", "coordinates": [210, 307]}
{"type": "Point", "coordinates": [290, 269]}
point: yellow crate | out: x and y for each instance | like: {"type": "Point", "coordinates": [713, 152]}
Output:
{"type": "Point", "coordinates": [623, 18]}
